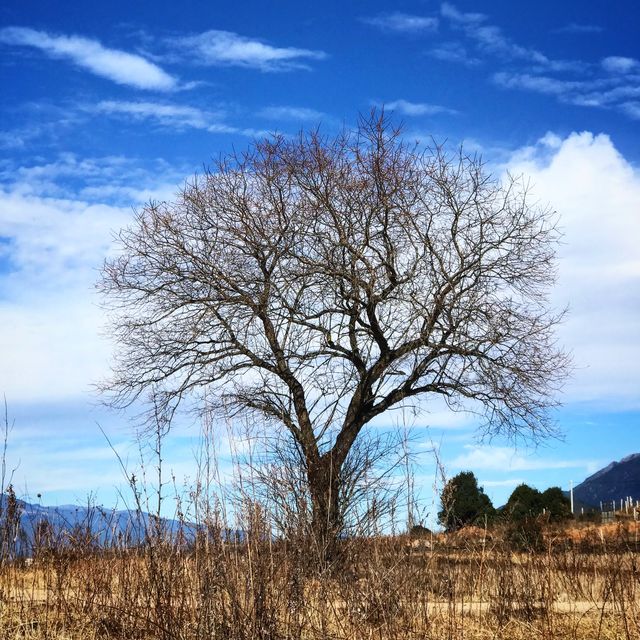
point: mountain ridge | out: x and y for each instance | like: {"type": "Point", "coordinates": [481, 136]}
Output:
{"type": "Point", "coordinates": [618, 480]}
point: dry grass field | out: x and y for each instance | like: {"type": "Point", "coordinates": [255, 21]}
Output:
{"type": "Point", "coordinates": [580, 583]}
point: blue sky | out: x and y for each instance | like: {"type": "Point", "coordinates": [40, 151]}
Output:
{"type": "Point", "coordinates": [107, 106]}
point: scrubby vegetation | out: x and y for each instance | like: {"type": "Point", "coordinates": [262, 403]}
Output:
{"type": "Point", "coordinates": [205, 583]}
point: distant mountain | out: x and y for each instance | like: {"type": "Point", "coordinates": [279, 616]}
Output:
{"type": "Point", "coordinates": [70, 525]}
{"type": "Point", "coordinates": [616, 481]}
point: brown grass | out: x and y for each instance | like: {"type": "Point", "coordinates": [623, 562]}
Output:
{"type": "Point", "coordinates": [383, 588]}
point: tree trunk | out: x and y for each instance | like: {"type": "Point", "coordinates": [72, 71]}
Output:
{"type": "Point", "coordinates": [326, 523]}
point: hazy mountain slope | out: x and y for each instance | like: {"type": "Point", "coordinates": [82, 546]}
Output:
{"type": "Point", "coordinates": [76, 525]}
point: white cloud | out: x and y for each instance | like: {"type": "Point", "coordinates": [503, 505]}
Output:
{"type": "Point", "coordinates": [595, 92]}
{"type": "Point", "coordinates": [292, 113]}
{"type": "Point", "coordinates": [612, 96]}
{"type": "Point", "coordinates": [57, 236]}
{"type": "Point", "coordinates": [403, 23]}
{"type": "Point", "coordinates": [488, 37]}
{"type": "Point", "coordinates": [114, 179]}
{"type": "Point", "coordinates": [178, 117]}
{"type": "Point", "coordinates": [52, 242]}
{"type": "Point", "coordinates": [416, 108]}
{"type": "Point", "coordinates": [597, 195]}
{"type": "Point", "coordinates": [51, 247]}
{"type": "Point", "coordinates": [225, 48]}
{"type": "Point", "coordinates": [19, 138]}
{"type": "Point", "coordinates": [538, 84]}
{"type": "Point", "coordinates": [119, 66]}
{"type": "Point", "coordinates": [449, 11]}
{"type": "Point", "coordinates": [574, 27]}
{"type": "Point", "coordinates": [453, 52]}
{"type": "Point", "coordinates": [167, 114]}
{"type": "Point", "coordinates": [505, 459]}
{"type": "Point", "coordinates": [39, 123]}
{"type": "Point", "coordinates": [609, 84]}
{"type": "Point", "coordinates": [53, 349]}
{"type": "Point", "coordinates": [632, 109]}
{"type": "Point", "coordinates": [619, 64]}
{"type": "Point", "coordinates": [434, 415]}
{"type": "Point", "coordinates": [509, 482]}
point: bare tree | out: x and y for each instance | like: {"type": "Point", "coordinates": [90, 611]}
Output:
{"type": "Point", "coordinates": [322, 281]}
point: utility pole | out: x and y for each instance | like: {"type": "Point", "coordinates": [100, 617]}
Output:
{"type": "Point", "coordinates": [571, 494]}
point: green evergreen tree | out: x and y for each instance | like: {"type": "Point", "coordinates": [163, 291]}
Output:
{"type": "Point", "coordinates": [556, 504]}
{"type": "Point", "coordinates": [527, 502]}
{"type": "Point", "coordinates": [524, 502]}
{"type": "Point", "coordinates": [463, 502]}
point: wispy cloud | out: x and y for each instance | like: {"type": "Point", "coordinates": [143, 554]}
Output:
{"type": "Point", "coordinates": [292, 113]}
{"type": "Point", "coordinates": [597, 92]}
{"type": "Point", "coordinates": [407, 108]}
{"type": "Point", "coordinates": [508, 482]}
{"type": "Point", "coordinates": [119, 66]}
{"type": "Point", "coordinates": [538, 84]}
{"type": "Point", "coordinates": [620, 64]}
{"type": "Point", "coordinates": [19, 138]}
{"type": "Point", "coordinates": [403, 23]}
{"type": "Point", "coordinates": [172, 116]}
{"type": "Point", "coordinates": [453, 52]}
{"type": "Point", "coordinates": [632, 109]}
{"type": "Point", "coordinates": [489, 37]}
{"type": "Point", "coordinates": [575, 27]}
{"type": "Point", "coordinates": [226, 48]}
{"type": "Point", "coordinates": [490, 40]}
{"type": "Point", "coordinates": [468, 19]}
{"type": "Point", "coordinates": [39, 122]}
{"type": "Point", "coordinates": [611, 83]}
{"type": "Point", "coordinates": [109, 179]}
{"type": "Point", "coordinates": [493, 458]}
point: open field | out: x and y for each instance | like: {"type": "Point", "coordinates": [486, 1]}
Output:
{"type": "Point", "coordinates": [462, 587]}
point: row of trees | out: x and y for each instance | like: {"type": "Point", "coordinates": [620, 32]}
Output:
{"type": "Point", "coordinates": [463, 502]}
